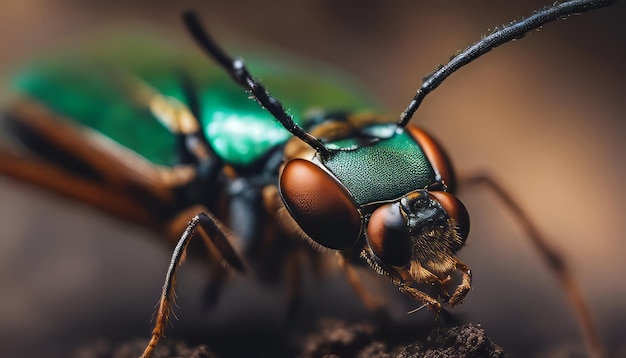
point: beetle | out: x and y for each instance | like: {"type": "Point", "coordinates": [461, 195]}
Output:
{"type": "Point", "coordinates": [430, 198]}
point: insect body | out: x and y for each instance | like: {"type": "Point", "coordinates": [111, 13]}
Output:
{"type": "Point", "coordinates": [124, 129]}
{"type": "Point", "coordinates": [379, 192]}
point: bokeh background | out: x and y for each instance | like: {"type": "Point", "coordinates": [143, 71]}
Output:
{"type": "Point", "coordinates": [544, 115]}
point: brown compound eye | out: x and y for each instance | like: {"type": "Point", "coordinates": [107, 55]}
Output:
{"type": "Point", "coordinates": [436, 155]}
{"type": "Point", "coordinates": [455, 210]}
{"type": "Point", "coordinates": [319, 205]}
{"type": "Point", "coordinates": [388, 235]}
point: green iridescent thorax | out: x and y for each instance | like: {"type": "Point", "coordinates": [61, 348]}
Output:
{"type": "Point", "coordinates": [383, 171]}
{"type": "Point", "coordinates": [85, 86]}
{"type": "Point", "coordinates": [242, 132]}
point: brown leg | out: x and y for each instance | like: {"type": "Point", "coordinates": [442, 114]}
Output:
{"type": "Point", "coordinates": [118, 166]}
{"type": "Point", "coordinates": [218, 273]}
{"type": "Point", "coordinates": [421, 275]}
{"type": "Point", "coordinates": [465, 285]}
{"type": "Point", "coordinates": [555, 261]}
{"type": "Point", "coordinates": [209, 226]}
{"type": "Point", "coordinates": [57, 180]}
{"type": "Point", "coordinates": [420, 296]}
{"type": "Point", "coordinates": [370, 302]}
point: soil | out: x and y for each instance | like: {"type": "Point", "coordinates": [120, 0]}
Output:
{"type": "Point", "coordinates": [333, 338]}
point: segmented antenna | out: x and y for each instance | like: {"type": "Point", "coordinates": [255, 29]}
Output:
{"type": "Point", "coordinates": [514, 30]}
{"type": "Point", "coordinates": [238, 71]}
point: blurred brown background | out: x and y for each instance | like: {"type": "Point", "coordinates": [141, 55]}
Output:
{"type": "Point", "coordinates": [544, 115]}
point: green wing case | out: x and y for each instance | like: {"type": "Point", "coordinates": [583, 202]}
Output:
{"type": "Point", "coordinates": [84, 85]}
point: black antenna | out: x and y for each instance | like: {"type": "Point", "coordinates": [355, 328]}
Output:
{"type": "Point", "coordinates": [513, 31]}
{"type": "Point", "coordinates": [237, 70]}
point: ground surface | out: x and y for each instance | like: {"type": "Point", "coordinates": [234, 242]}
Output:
{"type": "Point", "coordinates": [332, 339]}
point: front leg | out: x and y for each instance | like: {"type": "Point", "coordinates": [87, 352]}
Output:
{"type": "Point", "coordinates": [465, 285]}
{"type": "Point", "coordinates": [402, 278]}
{"type": "Point", "coordinates": [209, 227]}
{"type": "Point", "coordinates": [418, 295]}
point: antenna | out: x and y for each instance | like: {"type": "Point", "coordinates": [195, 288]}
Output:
{"type": "Point", "coordinates": [238, 71]}
{"type": "Point", "coordinates": [508, 33]}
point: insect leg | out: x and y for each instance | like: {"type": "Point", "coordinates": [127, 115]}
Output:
{"type": "Point", "coordinates": [84, 153]}
{"type": "Point", "coordinates": [218, 273]}
{"type": "Point", "coordinates": [274, 205]}
{"type": "Point", "coordinates": [465, 285]}
{"type": "Point", "coordinates": [370, 302]}
{"type": "Point", "coordinates": [555, 261]}
{"type": "Point", "coordinates": [57, 180]}
{"type": "Point", "coordinates": [418, 295]}
{"type": "Point", "coordinates": [403, 278]}
{"type": "Point", "coordinates": [212, 228]}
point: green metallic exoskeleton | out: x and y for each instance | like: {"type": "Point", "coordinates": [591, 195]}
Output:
{"type": "Point", "coordinates": [100, 88]}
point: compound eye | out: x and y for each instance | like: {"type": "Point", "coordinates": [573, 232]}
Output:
{"type": "Point", "coordinates": [455, 210]}
{"type": "Point", "coordinates": [319, 205]}
{"type": "Point", "coordinates": [436, 155]}
{"type": "Point", "coordinates": [388, 235]}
